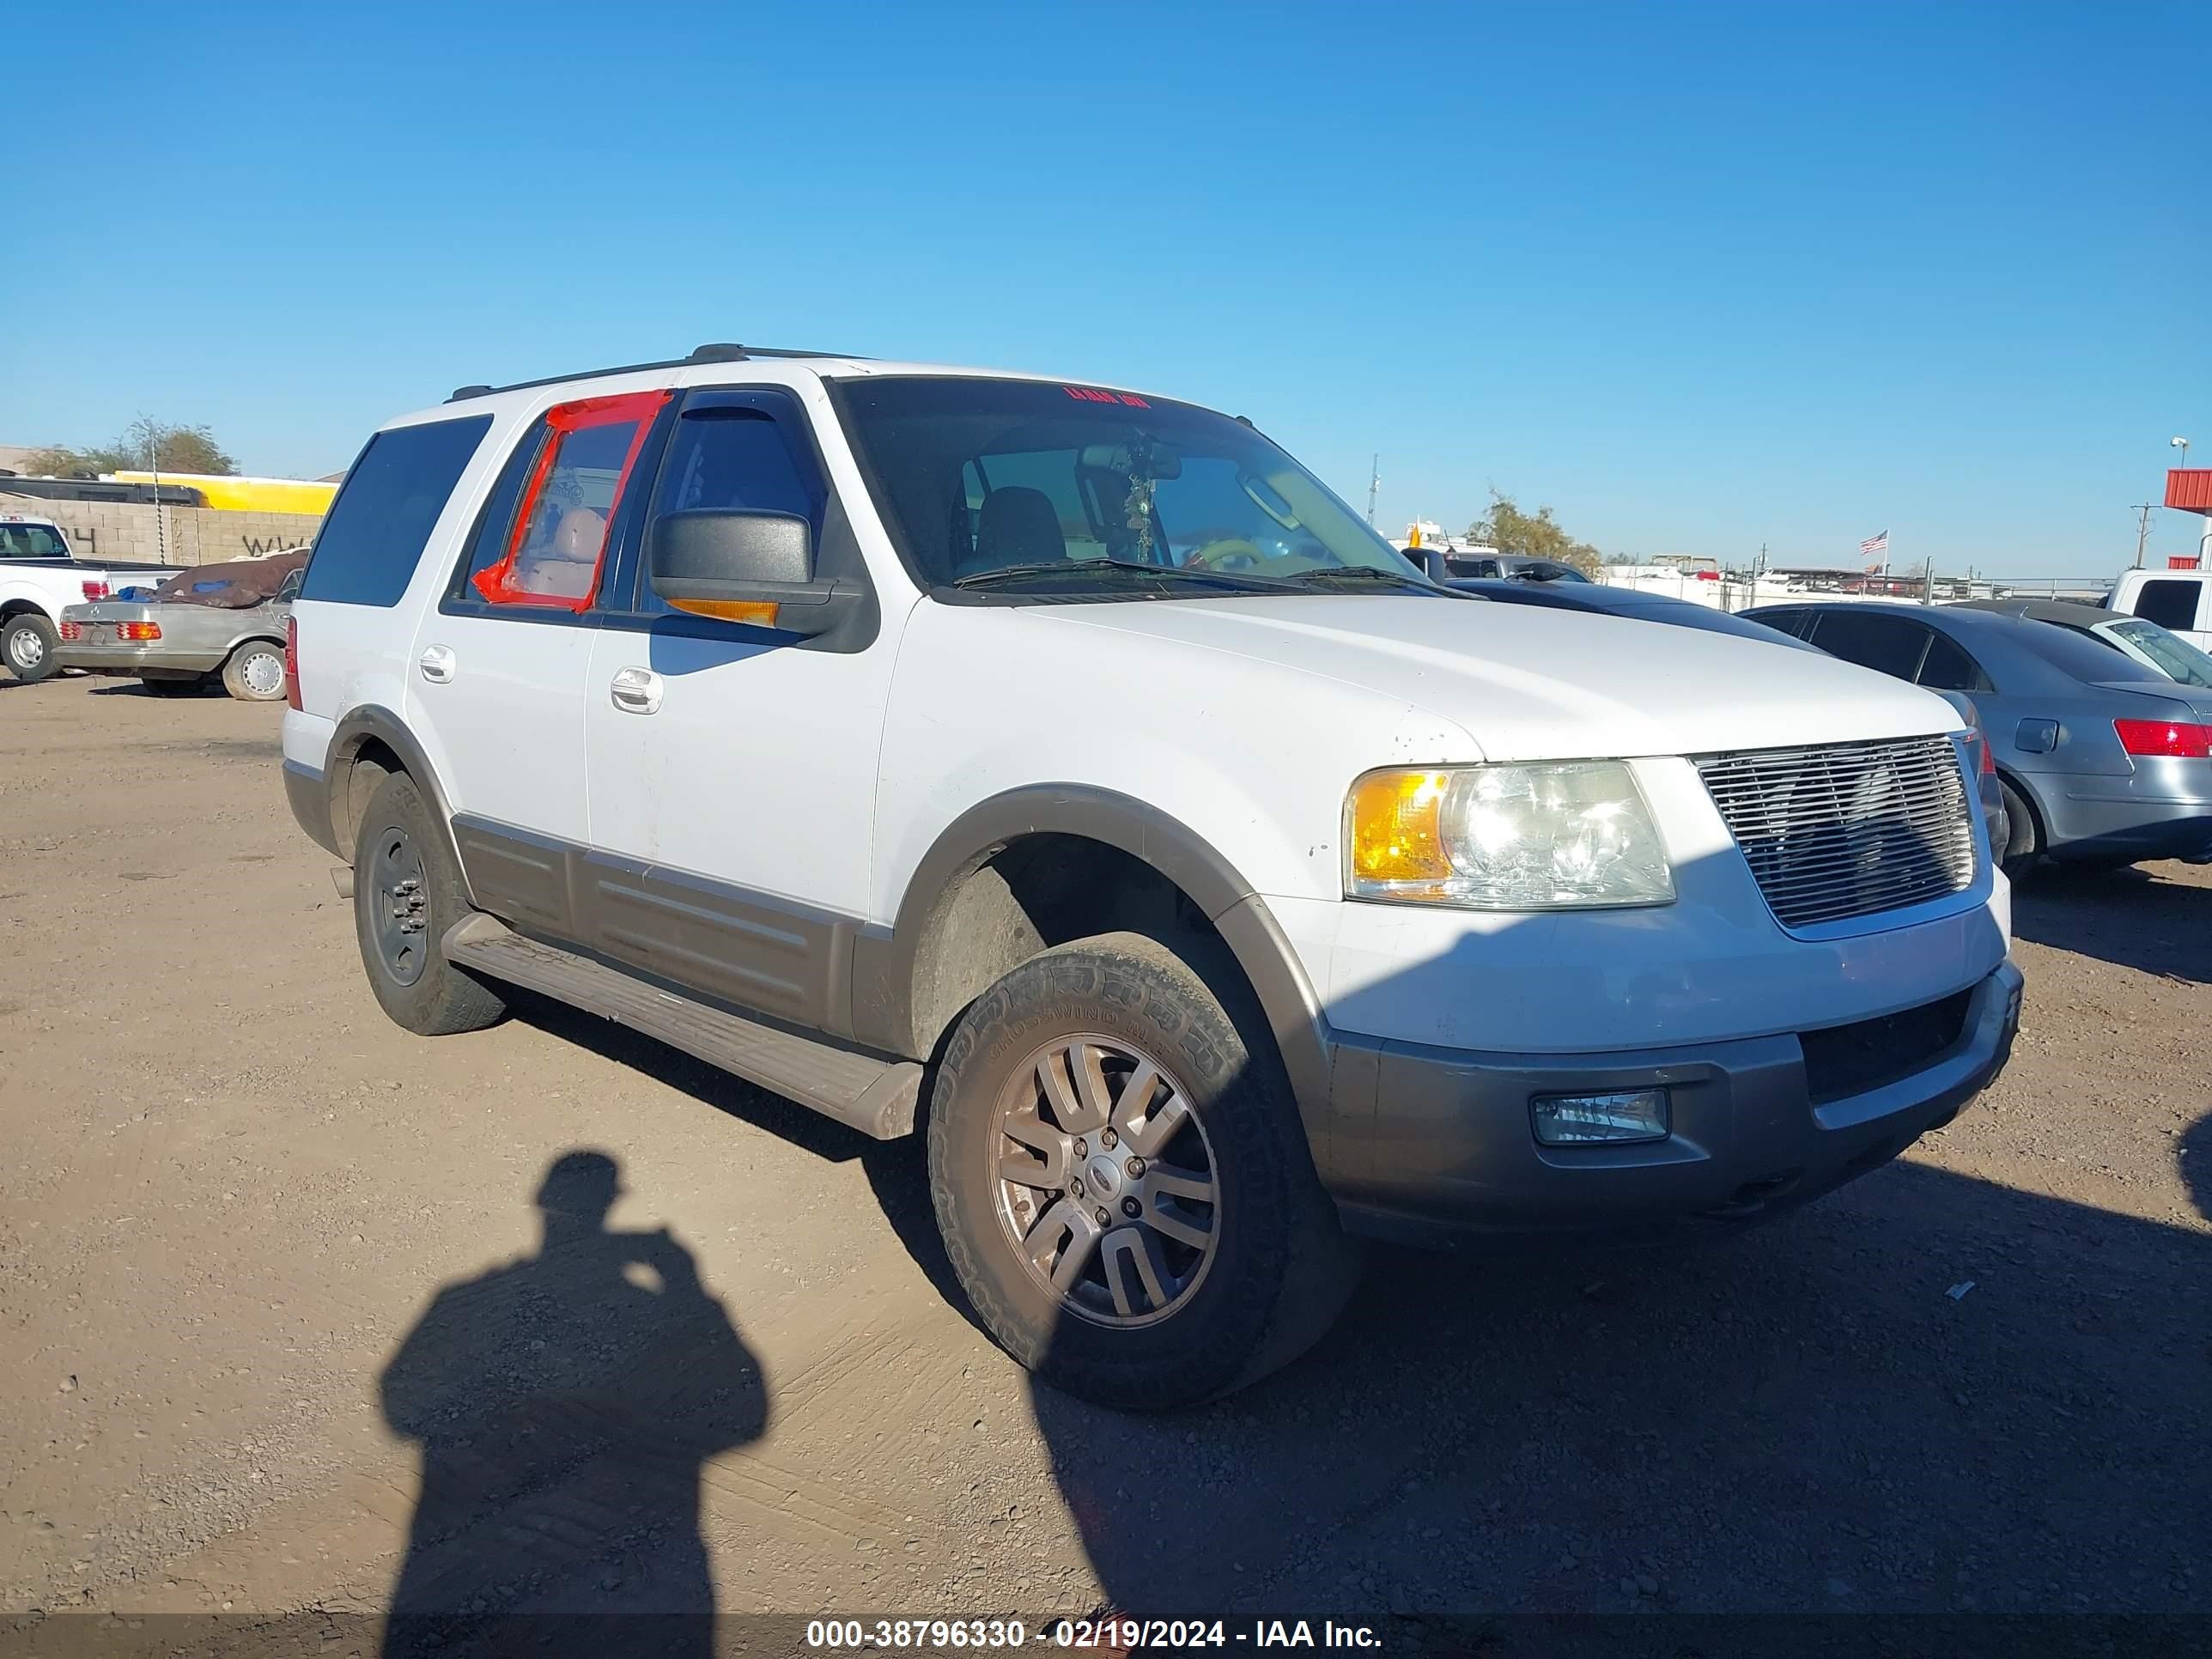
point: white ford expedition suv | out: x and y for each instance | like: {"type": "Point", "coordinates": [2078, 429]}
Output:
{"type": "Point", "coordinates": [1064, 773]}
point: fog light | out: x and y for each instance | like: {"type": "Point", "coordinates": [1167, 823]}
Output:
{"type": "Point", "coordinates": [1580, 1119]}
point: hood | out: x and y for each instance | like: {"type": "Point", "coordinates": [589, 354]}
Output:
{"type": "Point", "coordinates": [1532, 683]}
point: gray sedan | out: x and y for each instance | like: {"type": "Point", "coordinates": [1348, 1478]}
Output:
{"type": "Point", "coordinates": [175, 649]}
{"type": "Point", "coordinates": [2103, 759]}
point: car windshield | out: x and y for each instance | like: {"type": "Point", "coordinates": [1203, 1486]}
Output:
{"type": "Point", "coordinates": [2179, 660]}
{"type": "Point", "coordinates": [1020, 486]}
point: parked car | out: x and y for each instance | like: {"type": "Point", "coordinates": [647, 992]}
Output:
{"type": "Point", "coordinates": [2179, 601]}
{"type": "Point", "coordinates": [2103, 760]}
{"type": "Point", "coordinates": [1638, 605]}
{"type": "Point", "coordinates": [1445, 562]}
{"type": "Point", "coordinates": [176, 648]}
{"type": "Point", "coordinates": [41, 577]}
{"type": "Point", "coordinates": [889, 736]}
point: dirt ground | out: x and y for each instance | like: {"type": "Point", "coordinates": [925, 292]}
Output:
{"type": "Point", "coordinates": [1975, 1380]}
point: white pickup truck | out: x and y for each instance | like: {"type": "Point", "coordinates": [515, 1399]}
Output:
{"type": "Point", "coordinates": [2179, 601]}
{"type": "Point", "coordinates": [39, 576]}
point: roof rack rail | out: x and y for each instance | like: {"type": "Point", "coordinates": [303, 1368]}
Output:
{"type": "Point", "coordinates": [715, 352]}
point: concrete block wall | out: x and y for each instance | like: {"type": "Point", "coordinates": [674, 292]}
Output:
{"type": "Point", "coordinates": [127, 530]}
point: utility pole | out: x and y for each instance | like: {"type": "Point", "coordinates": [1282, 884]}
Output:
{"type": "Point", "coordinates": [153, 465]}
{"type": "Point", "coordinates": [1374, 482]}
{"type": "Point", "coordinates": [2142, 530]}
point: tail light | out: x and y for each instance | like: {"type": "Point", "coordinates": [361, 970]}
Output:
{"type": "Point", "coordinates": [70, 631]}
{"type": "Point", "coordinates": [94, 591]}
{"type": "Point", "coordinates": [2180, 739]}
{"type": "Point", "coordinates": [291, 662]}
{"type": "Point", "coordinates": [137, 632]}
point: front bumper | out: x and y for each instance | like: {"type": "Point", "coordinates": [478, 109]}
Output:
{"type": "Point", "coordinates": [1433, 1142]}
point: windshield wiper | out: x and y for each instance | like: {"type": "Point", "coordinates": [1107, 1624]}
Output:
{"type": "Point", "coordinates": [1360, 576]}
{"type": "Point", "coordinates": [1016, 572]}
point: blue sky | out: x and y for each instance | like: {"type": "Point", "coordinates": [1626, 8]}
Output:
{"type": "Point", "coordinates": [1698, 278]}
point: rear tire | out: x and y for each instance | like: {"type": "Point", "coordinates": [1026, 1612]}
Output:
{"type": "Point", "coordinates": [406, 893]}
{"type": "Point", "coordinates": [2024, 846]}
{"type": "Point", "coordinates": [27, 644]}
{"type": "Point", "coordinates": [1220, 1257]}
{"type": "Point", "coordinates": [255, 671]}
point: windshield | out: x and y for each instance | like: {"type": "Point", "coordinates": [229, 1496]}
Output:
{"type": "Point", "coordinates": [2177, 659]}
{"type": "Point", "coordinates": [1070, 485]}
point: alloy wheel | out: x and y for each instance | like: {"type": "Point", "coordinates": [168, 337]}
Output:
{"type": "Point", "coordinates": [1107, 1185]}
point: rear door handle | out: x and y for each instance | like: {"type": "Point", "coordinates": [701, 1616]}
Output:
{"type": "Point", "coordinates": [437, 665]}
{"type": "Point", "coordinates": [637, 690]}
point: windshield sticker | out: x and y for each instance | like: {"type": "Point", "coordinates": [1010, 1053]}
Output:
{"type": "Point", "coordinates": [1092, 395]}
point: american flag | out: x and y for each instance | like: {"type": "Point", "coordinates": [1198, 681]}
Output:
{"type": "Point", "coordinates": [1874, 544]}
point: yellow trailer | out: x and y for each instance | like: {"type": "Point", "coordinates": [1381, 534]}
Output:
{"type": "Point", "coordinates": [229, 494]}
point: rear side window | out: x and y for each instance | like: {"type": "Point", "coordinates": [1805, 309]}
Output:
{"type": "Point", "coordinates": [373, 538]}
{"type": "Point", "coordinates": [1948, 668]}
{"type": "Point", "coordinates": [30, 541]}
{"type": "Point", "coordinates": [1888, 645]}
{"type": "Point", "coordinates": [1790, 620]}
{"type": "Point", "coordinates": [2169, 604]}
{"type": "Point", "coordinates": [555, 552]}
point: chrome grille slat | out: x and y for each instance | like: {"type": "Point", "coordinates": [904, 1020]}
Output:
{"type": "Point", "coordinates": [1847, 830]}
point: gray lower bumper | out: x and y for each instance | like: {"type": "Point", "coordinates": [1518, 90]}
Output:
{"type": "Point", "coordinates": [310, 797]}
{"type": "Point", "coordinates": [1449, 1146]}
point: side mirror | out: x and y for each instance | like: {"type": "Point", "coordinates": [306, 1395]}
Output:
{"type": "Point", "coordinates": [740, 566]}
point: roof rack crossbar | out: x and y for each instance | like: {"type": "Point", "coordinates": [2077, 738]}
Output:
{"type": "Point", "coordinates": [715, 353]}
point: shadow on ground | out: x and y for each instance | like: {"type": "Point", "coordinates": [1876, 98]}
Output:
{"type": "Point", "coordinates": [564, 1405]}
{"type": "Point", "coordinates": [1798, 1418]}
{"type": "Point", "coordinates": [2131, 917]}
{"type": "Point", "coordinates": [1924, 1393]}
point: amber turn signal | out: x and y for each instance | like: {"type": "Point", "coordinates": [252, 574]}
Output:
{"type": "Point", "coordinates": [760, 613]}
{"type": "Point", "coordinates": [1393, 827]}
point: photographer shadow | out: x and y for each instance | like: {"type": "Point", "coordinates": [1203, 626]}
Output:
{"type": "Point", "coordinates": [565, 1405]}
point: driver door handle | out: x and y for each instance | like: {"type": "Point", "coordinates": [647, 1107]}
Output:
{"type": "Point", "coordinates": [437, 665]}
{"type": "Point", "coordinates": [637, 690]}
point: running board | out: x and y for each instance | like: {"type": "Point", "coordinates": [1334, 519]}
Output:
{"type": "Point", "coordinates": [875, 1096]}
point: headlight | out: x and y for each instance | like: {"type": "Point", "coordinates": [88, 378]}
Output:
{"type": "Point", "coordinates": [1568, 836]}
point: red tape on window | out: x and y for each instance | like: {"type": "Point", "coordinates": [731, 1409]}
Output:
{"type": "Point", "coordinates": [502, 583]}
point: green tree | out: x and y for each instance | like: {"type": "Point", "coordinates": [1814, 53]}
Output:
{"type": "Point", "coordinates": [147, 445]}
{"type": "Point", "coordinates": [1535, 535]}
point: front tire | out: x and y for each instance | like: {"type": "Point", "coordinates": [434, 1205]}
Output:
{"type": "Point", "coordinates": [29, 643]}
{"type": "Point", "coordinates": [1123, 1187]}
{"type": "Point", "coordinates": [255, 671]}
{"type": "Point", "coordinates": [406, 893]}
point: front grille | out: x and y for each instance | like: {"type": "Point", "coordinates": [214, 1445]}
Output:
{"type": "Point", "coordinates": [1847, 830]}
{"type": "Point", "coordinates": [1850, 1059]}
